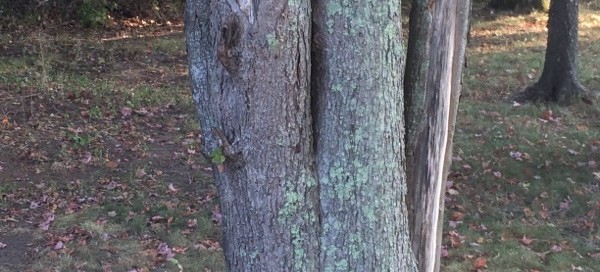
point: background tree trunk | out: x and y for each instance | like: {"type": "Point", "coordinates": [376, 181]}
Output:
{"type": "Point", "coordinates": [249, 69]}
{"type": "Point", "coordinates": [559, 81]}
{"type": "Point", "coordinates": [357, 79]}
{"type": "Point", "coordinates": [433, 93]}
{"type": "Point", "coordinates": [520, 5]}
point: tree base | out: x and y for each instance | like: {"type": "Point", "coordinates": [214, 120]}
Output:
{"type": "Point", "coordinates": [560, 95]}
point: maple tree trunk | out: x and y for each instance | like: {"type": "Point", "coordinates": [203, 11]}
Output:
{"type": "Point", "coordinates": [522, 5]}
{"type": "Point", "coordinates": [559, 81]}
{"type": "Point", "coordinates": [249, 70]}
{"type": "Point", "coordinates": [357, 82]}
{"type": "Point", "coordinates": [436, 53]}
{"type": "Point", "coordinates": [301, 111]}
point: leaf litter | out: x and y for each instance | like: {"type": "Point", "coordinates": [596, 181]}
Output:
{"type": "Point", "coordinates": [90, 160]}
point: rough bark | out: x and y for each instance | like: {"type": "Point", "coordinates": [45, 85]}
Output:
{"type": "Point", "coordinates": [415, 76]}
{"type": "Point", "coordinates": [559, 81]}
{"type": "Point", "coordinates": [519, 5]}
{"type": "Point", "coordinates": [357, 68]}
{"type": "Point", "coordinates": [433, 94]}
{"type": "Point", "coordinates": [327, 194]}
{"type": "Point", "coordinates": [249, 68]}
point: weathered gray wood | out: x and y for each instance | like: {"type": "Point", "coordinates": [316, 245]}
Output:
{"type": "Point", "coordinates": [432, 114]}
{"type": "Point", "coordinates": [463, 14]}
{"type": "Point", "coordinates": [249, 68]}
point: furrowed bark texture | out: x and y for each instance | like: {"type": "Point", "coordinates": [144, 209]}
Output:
{"type": "Point", "coordinates": [559, 81]}
{"type": "Point", "coordinates": [249, 68]}
{"type": "Point", "coordinates": [357, 75]}
{"type": "Point", "coordinates": [432, 115]}
{"type": "Point", "coordinates": [415, 76]}
{"type": "Point", "coordinates": [415, 83]}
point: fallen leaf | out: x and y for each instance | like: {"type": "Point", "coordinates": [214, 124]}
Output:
{"type": "Point", "coordinates": [192, 223]}
{"type": "Point", "coordinates": [457, 216]}
{"type": "Point", "coordinates": [52, 254]}
{"type": "Point", "coordinates": [453, 192]}
{"type": "Point", "coordinates": [556, 248]}
{"type": "Point", "coordinates": [497, 174]}
{"type": "Point", "coordinates": [547, 115]}
{"type": "Point", "coordinates": [516, 155]}
{"type": "Point", "coordinates": [565, 204]}
{"type": "Point", "coordinates": [46, 224]}
{"type": "Point", "coordinates": [165, 251]}
{"type": "Point", "coordinates": [526, 241]}
{"type": "Point", "coordinates": [216, 214]}
{"type": "Point", "coordinates": [485, 165]}
{"type": "Point", "coordinates": [444, 253]}
{"type": "Point", "coordinates": [59, 245]}
{"type": "Point", "coordinates": [528, 212]}
{"type": "Point", "coordinates": [87, 159]}
{"type": "Point", "coordinates": [480, 263]}
{"type": "Point", "coordinates": [455, 239]}
{"type": "Point", "coordinates": [140, 173]}
{"type": "Point", "coordinates": [126, 112]}
{"type": "Point", "coordinates": [544, 212]}
{"type": "Point", "coordinates": [596, 256]}
{"type": "Point", "coordinates": [112, 164]}
{"type": "Point", "coordinates": [172, 188]}
{"type": "Point", "coordinates": [180, 250]}
{"type": "Point", "coordinates": [156, 218]}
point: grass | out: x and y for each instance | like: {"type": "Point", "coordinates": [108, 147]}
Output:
{"type": "Point", "coordinates": [101, 133]}
{"type": "Point", "coordinates": [527, 196]}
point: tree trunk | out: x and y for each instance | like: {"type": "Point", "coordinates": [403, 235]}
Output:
{"type": "Point", "coordinates": [432, 91]}
{"type": "Point", "coordinates": [519, 5]}
{"type": "Point", "coordinates": [310, 169]}
{"type": "Point", "coordinates": [357, 79]}
{"type": "Point", "coordinates": [249, 69]}
{"type": "Point", "coordinates": [559, 81]}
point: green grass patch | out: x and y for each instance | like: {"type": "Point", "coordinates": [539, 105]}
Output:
{"type": "Point", "coordinates": [525, 175]}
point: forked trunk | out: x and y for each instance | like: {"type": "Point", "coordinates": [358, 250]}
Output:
{"type": "Point", "coordinates": [289, 203]}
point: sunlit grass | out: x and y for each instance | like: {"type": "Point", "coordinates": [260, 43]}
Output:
{"type": "Point", "coordinates": [535, 209]}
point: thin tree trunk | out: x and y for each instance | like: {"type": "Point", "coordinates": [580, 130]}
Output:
{"type": "Point", "coordinates": [559, 81]}
{"type": "Point", "coordinates": [432, 116]}
{"type": "Point", "coordinates": [249, 68]}
{"type": "Point", "coordinates": [357, 75]}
